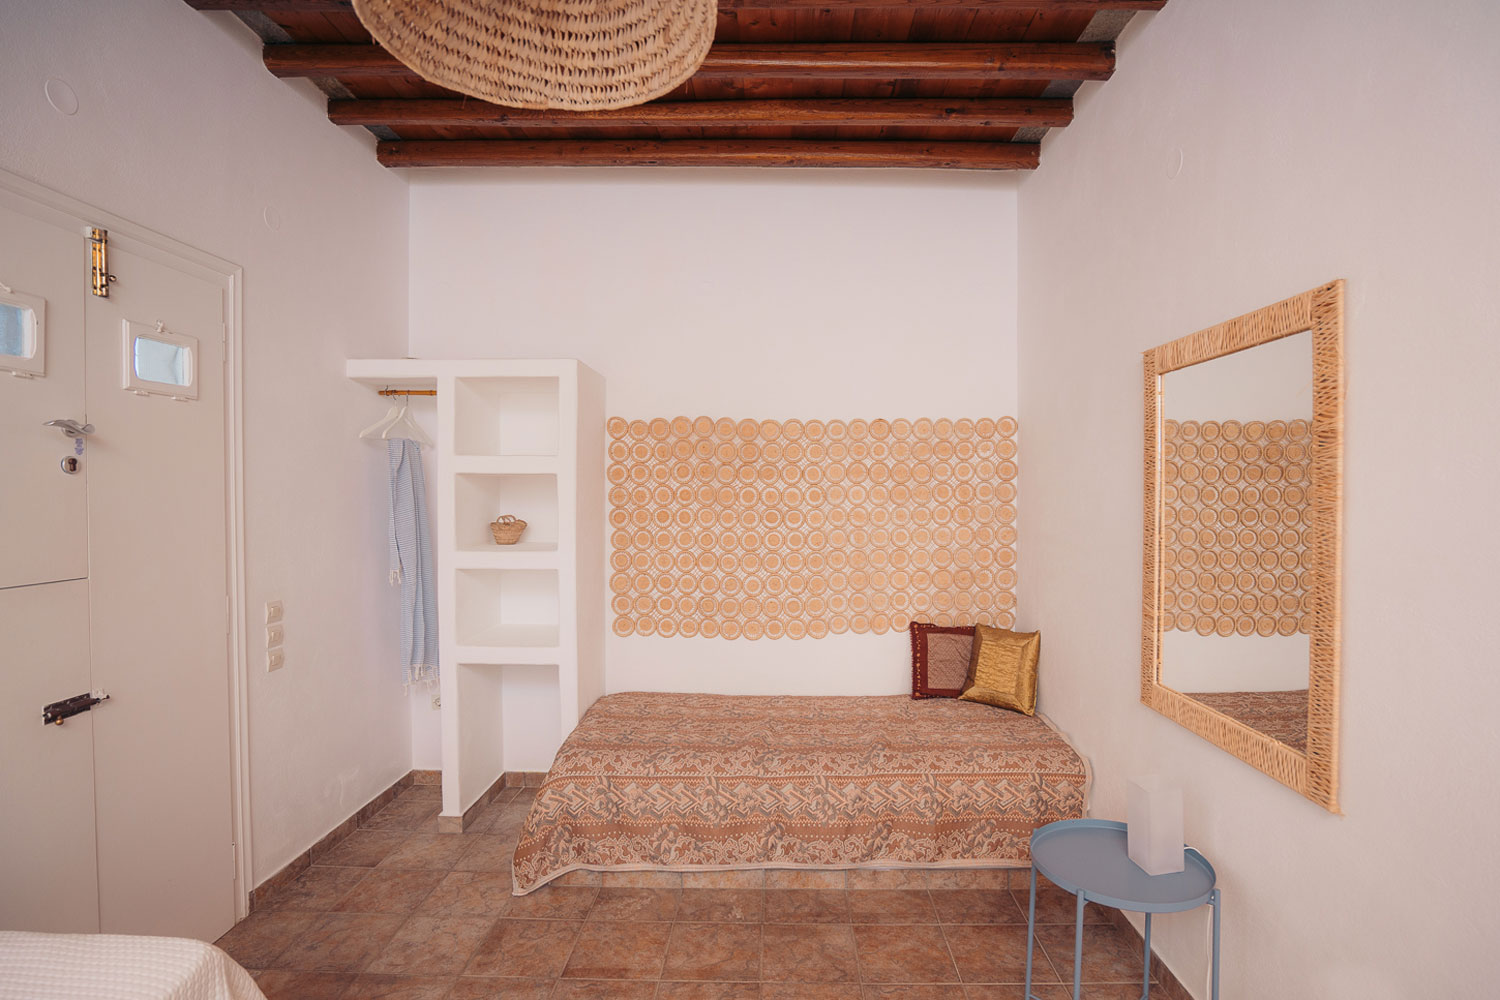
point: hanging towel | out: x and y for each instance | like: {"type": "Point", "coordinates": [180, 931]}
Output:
{"type": "Point", "coordinates": [411, 561]}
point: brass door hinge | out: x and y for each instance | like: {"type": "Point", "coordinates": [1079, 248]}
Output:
{"type": "Point", "coordinates": [99, 262]}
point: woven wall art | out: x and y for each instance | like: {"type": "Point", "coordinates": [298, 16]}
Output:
{"type": "Point", "coordinates": [724, 528]}
{"type": "Point", "coordinates": [1234, 531]}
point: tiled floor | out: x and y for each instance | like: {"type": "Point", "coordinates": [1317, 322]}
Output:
{"type": "Point", "coordinates": [400, 911]}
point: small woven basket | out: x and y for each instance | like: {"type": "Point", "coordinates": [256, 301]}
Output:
{"type": "Point", "coordinates": [507, 529]}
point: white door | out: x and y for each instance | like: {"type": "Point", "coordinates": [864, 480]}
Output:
{"type": "Point", "coordinates": [142, 840]}
{"type": "Point", "coordinates": [158, 586]}
{"type": "Point", "coordinates": [48, 880]}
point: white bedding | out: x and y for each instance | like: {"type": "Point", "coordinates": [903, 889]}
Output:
{"type": "Point", "coordinates": [117, 967]}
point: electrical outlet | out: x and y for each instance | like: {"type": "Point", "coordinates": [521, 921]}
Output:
{"type": "Point", "coordinates": [274, 660]}
{"type": "Point", "coordinates": [273, 612]}
{"type": "Point", "coordinates": [274, 635]}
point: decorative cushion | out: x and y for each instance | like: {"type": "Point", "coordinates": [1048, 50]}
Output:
{"type": "Point", "coordinates": [1002, 669]}
{"type": "Point", "coordinates": [940, 657]}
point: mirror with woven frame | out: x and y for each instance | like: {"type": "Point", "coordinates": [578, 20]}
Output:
{"type": "Point", "coordinates": [1243, 494]}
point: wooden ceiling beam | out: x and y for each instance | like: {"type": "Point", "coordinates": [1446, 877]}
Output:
{"type": "Point", "coordinates": [849, 61]}
{"type": "Point", "coordinates": [708, 153]}
{"type": "Point", "coordinates": [829, 113]}
{"type": "Point", "coordinates": [296, 6]}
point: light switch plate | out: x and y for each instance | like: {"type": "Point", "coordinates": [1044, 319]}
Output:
{"type": "Point", "coordinates": [274, 660]}
{"type": "Point", "coordinates": [274, 635]}
{"type": "Point", "coordinates": [273, 612]}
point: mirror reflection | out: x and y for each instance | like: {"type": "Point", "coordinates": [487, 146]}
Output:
{"type": "Point", "coordinates": [1236, 455]}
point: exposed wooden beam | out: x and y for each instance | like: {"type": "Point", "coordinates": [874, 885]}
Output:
{"type": "Point", "coordinates": [708, 153]}
{"type": "Point", "coordinates": [831, 113]}
{"type": "Point", "coordinates": [851, 61]}
{"type": "Point", "coordinates": [732, 5]}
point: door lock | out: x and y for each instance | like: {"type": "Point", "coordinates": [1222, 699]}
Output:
{"type": "Point", "coordinates": [59, 711]}
{"type": "Point", "coordinates": [71, 428]}
{"type": "Point", "coordinates": [71, 465]}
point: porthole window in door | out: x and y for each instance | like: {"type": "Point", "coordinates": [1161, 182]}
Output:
{"type": "Point", "coordinates": [160, 362]}
{"type": "Point", "coordinates": [23, 333]}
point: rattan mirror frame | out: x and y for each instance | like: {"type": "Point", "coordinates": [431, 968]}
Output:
{"type": "Point", "coordinates": [1313, 774]}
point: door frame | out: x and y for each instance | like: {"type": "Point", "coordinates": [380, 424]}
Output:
{"type": "Point", "coordinates": [55, 207]}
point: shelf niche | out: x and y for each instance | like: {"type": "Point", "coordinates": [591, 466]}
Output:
{"type": "Point", "coordinates": [506, 416]}
{"type": "Point", "coordinates": [481, 497]}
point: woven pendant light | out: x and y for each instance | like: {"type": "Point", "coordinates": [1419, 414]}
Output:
{"type": "Point", "coordinates": [575, 54]}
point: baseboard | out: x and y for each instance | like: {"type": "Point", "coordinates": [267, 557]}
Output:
{"type": "Point", "coordinates": [1168, 986]}
{"type": "Point", "coordinates": [326, 843]}
{"type": "Point", "coordinates": [509, 779]}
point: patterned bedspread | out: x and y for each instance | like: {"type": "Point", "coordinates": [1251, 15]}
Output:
{"type": "Point", "coordinates": [688, 782]}
{"type": "Point", "coordinates": [1281, 715]}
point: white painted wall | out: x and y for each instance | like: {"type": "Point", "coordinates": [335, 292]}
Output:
{"type": "Point", "coordinates": [1318, 141]}
{"type": "Point", "coordinates": [180, 129]}
{"type": "Point", "coordinates": [759, 294]}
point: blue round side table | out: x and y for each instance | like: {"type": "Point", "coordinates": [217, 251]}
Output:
{"type": "Point", "coordinates": [1088, 858]}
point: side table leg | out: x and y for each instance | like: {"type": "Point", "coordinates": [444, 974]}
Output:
{"type": "Point", "coordinates": [1146, 978]}
{"type": "Point", "coordinates": [1213, 900]}
{"type": "Point", "coordinates": [1078, 949]}
{"type": "Point", "coordinates": [1030, 932]}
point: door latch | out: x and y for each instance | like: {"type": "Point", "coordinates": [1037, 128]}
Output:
{"type": "Point", "coordinates": [71, 428]}
{"type": "Point", "coordinates": [58, 711]}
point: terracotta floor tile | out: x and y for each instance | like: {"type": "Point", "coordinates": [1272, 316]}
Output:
{"type": "Point", "coordinates": [427, 851]}
{"type": "Point", "coordinates": [887, 878]}
{"type": "Point", "coordinates": [363, 848]}
{"type": "Point", "coordinates": [504, 822]}
{"type": "Point", "coordinates": [280, 984]}
{"type": "Point", "coordinates": [721, 905]}
{"type": "Point", "coordinates": [995, 954]}
{"type": "Point", "coordinates": [808, 953]}
{"type": "Point", "coordinates": [975, 878]}
{"type": "Point", "coordinates": [642, 880]}
{"type": "Point", "coordinates": [553, 902]}
{"type": "Point", "coordinates": [585, 989]}
{"type": "Point", "coordinates": [747, 879]}
{"type": "Point", "coordinates": [389, 892]}
{"type": "Point", "coordinates": [617, 903]}
{"type": "Point", "coordinates": [907, 953]}
{"type": "Point", "coordinates": [608, 949]}
{"type": "Point", "coordinates": [432, 946]}
{"type": "Point", "coordinates": [536, 949]}
{"type": "Point", "coordinates": [490, 988]}
{"type": "Point", "coordinates": [318, 889]}
{"type": "Point", "coordinates": [467, 894]}
{"type": "Point", "coordinates": [486, 853]}
{"type": "Point", "coordinates": [580, 877]}
{"type": "Point", "coordinates": [807, 906]}
{"type": "Point", "coordinates": [795, 878]}
{"type": "Point", "coordinates": [809, 991]}
{"type": "Point", "coordinates": [976, 906]}
{"type": "Point", "coordinates": [256, 941]}
{"type": "Point", "coordinates": [378, 987]}
{"type": "Point", "coordinates": [1109, 954]}
{"type": "Point", "coordinates": [707, 991]}
{"type": "Point", "coordinates": [910, 991]}
{"type": "Point", "coordinates": [340, 942]}
{"type": "Point", "coordinates": [1057, 906]}
{"type": "Point", "coordinates": [405, 814]}
{"type": "Point", "coordinates": [891, 906]}
{"type": "Point", "coordinates": [1091, 991]}
{"type": "Point", "coordinates": [714, 951]}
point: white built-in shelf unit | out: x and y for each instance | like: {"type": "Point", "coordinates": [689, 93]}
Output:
{"type": "Point", "coordinates": [523, 438]}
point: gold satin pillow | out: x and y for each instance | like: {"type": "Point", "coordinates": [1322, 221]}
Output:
{"type": "Point", "coordinates": [1002, 669]}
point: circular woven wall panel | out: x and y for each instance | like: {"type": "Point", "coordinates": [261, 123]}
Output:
{"type": "Point", "coordinates": [807, 532]}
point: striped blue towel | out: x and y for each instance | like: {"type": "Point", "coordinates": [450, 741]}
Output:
{"type": "Point", "coordinates": [411, 561]}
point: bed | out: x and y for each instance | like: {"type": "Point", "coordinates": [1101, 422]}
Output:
{"type": "Point", "coordinates": [709, 782]}
{"type": "Point", "coordinates": [117, 967]}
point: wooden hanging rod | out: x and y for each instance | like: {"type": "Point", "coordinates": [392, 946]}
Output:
{"type": "Point", "coordinates": [408, 392]}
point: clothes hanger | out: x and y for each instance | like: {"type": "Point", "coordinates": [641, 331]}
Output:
{"type": "Point", "coordinates": [397, 423]}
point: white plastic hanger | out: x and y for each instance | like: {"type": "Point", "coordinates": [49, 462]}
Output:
{"type": "Point", "coordinates": [396, 424]}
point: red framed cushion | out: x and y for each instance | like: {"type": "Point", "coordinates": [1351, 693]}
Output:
{"type": "Point", "coordinates": [940, 659]}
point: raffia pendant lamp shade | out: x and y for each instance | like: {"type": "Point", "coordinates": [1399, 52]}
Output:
{"type": "Point", "coordinates": [574, 54]}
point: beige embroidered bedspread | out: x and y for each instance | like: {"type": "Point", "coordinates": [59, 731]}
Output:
{"type": "Point", "coordinates": [688, 782]}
